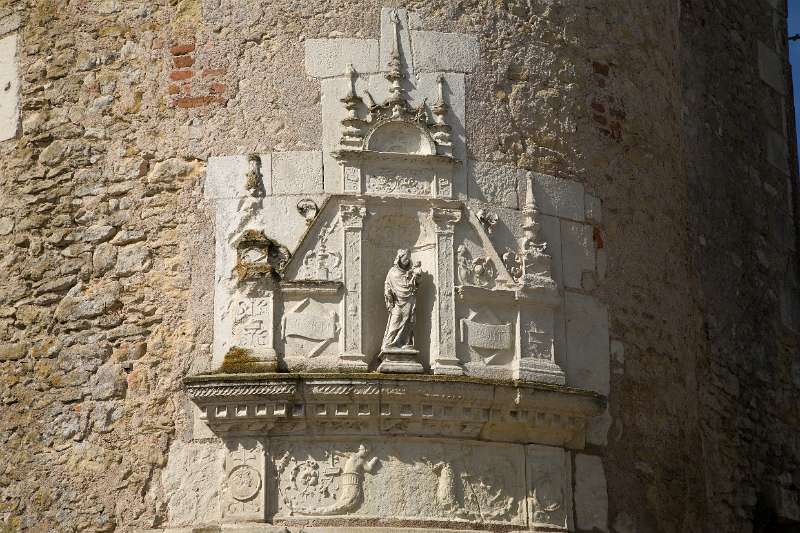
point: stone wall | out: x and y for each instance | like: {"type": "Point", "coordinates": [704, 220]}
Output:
{"type": "Point", "coordinates": [674, 116]}
{"type": "Point", "coordinates": [742, 175]}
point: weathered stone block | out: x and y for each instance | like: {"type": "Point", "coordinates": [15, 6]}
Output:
{"type": "Point", "coordinates": [549, 476]}
{"type": "Point", "coordinates": [777, 150]}
{"type": "Point", "coordinates": [557, 197]}
{"type": "Point", "coordinates": [191, 483]}
{"type": "Point", "coordinates": [9, 23]}
{"type": "Point", "coordinates": [444, 52]}
{"type": "Point", "coordinates": [9, 88]}
{"type": "Point", "coordinates": [297, 172]}
{"type": "Point", "coordinates": [594, 209]}
{"type": "Point", "coordinates": [494, 184]}
{"type": "Point", "coordinates": [771, 68]}
{"type": "Point", "coordinates": [12, 352]}
{"type": "Point", "coordinates": [226, 176]}
{"type": "Point", "coordinates": [591, 497]}
{"type": "Point", "coordinates": [587, 343]}
{"type": "Point", "coordinates": [327, 58]}
{"type": "Point", "coordinates": [132, 259]}
{"type": "Point", "coordinates": [577, 253]}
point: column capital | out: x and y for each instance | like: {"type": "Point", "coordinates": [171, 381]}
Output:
{"type": "Point", "coordinates": [445, 218]}
{"type": "Point", "coordinates": [352, 215]}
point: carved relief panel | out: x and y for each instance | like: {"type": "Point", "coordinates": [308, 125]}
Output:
{"type": "Point", "coordinates": [243, 491]}
{"type": "Point", "coordinates": [310, 329]}
{"type": "Point", "coordinates": [549, 474]}
{"type": "Point", "coordinates": [408, 478]}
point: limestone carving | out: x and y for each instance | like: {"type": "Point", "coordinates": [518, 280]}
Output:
{"type": "Point", "coordinates": [322, 263]}
{"type": "Point", "coordinates": [394, 126]}
{"type": "Point", "coordinates": [488, 220]}
{"type": "Point", "coordinates": [400, 295]}
{"type": "Point", "coordinates": [320, 329]}
{"type": "Point", "coordinates": [243, 481]}
{"type": "Point", "coordinates": [352, 134]}
{"type": "Point", "coordinates": [308, 209]}
{"type": "Point", "coordinates": [441, 130]}
{"type": "Point", "coordinates": [311, 481]}
{"type": "Point", "coordinates": [386, 184]}
{"type": "Point", "coordinates": [254, 183]}
{"type": "Point", "coordinates": [259, 257]}
{"type": "Point", "coordinates": [480, 272]}
{"type": "Point", "coordinates": [460, 485]}
{"type": "Point", "coordinates": [534, 265]}
{"type": "Point", "coordinates": [487, 339]}
{"type": "Point", "coordinates": [549, 487]}
{"type": "Point", "coordinates": [253, 323]}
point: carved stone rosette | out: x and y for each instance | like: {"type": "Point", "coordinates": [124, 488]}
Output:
{"type": "Point", "coordinates": [243, 489]}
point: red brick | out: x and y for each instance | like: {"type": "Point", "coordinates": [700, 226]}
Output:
{"type": "Point", "coordinates": [182, 49]}
{"type": "Point", "coordinates": [174, 89]}
{"type": "Point", "coordinates": [183, 61]}
{"type": "Point", "coordinates": [597, 236]}
{"type": "Point", "coordinates": [600, 68]}
{"type": "Point", "coordinates": [176, 75]}
{"type": "Point", "coordinates": [216, 88]}
{"type": "Point", "coordinates": [195, 101]}
{"type": "Point", "coordinates": [214, 72]}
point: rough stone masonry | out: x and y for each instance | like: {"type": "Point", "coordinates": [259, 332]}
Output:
{"type": "Point", "coordinates": [200, 200]}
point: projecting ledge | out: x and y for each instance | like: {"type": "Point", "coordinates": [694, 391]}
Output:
{"type": "Point", "coordinates": [374, 404]}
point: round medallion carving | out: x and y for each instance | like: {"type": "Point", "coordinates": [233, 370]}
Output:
{"type": "Point", "coordinates": [244, 482]}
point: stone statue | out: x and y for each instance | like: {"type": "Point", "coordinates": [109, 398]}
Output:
{"type": "Point", "coordinates": [398, 353]}
{"type": "Point", "coordinates": [400, 294]}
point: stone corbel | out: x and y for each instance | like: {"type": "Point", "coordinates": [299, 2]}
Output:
{"type": "Point", "coordinates": [352, 358]}
{"type": "Point", "coordinates": [445, 361]}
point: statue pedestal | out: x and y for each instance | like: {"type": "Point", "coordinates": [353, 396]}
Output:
{"type": "Point", "coordinates": [400, 361]}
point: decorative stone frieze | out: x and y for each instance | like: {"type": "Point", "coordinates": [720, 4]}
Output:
{"type": "Point", "coordinates": [287, 404]}
{"type": "Point", "coordinates": [313, 449]}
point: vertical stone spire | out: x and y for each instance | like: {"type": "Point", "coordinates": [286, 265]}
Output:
{"type": "Point", "coordinates": [536, 263]}
{"type": "Point", "coordinates": [352, 134]}
{"type": "Point", "coordinates": [440, 129]}
{"type": "Point", "coordinates": [394, 74]}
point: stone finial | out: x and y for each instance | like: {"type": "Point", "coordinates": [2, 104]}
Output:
{"type": "Point", "coordinates": [534, 264]}
{"type": "Point", "coordinates": [254, 183]}
{"type": "Point", "coordinates": [394, 74]}
{"type": "Point", "coordinates": [441, 131]}
{"type": "Point", "coordinates": [352, 125]}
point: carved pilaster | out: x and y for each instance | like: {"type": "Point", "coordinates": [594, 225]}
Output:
{"type": "Point", "coordinates": [243, 491]}
{"type": "Point", "coordinates": [445, 361]}
{"type": "Point", "coordinates": [353, 358]}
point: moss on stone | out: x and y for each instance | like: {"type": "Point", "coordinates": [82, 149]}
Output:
{"type": "Point", "coordinates": [240, 361]}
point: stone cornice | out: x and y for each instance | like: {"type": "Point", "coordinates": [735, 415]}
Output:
{"type": "Point", "coordinates": [363, 404]}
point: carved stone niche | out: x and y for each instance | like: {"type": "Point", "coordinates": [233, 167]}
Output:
{"type": "Point", "coordinates": [405, 451]}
